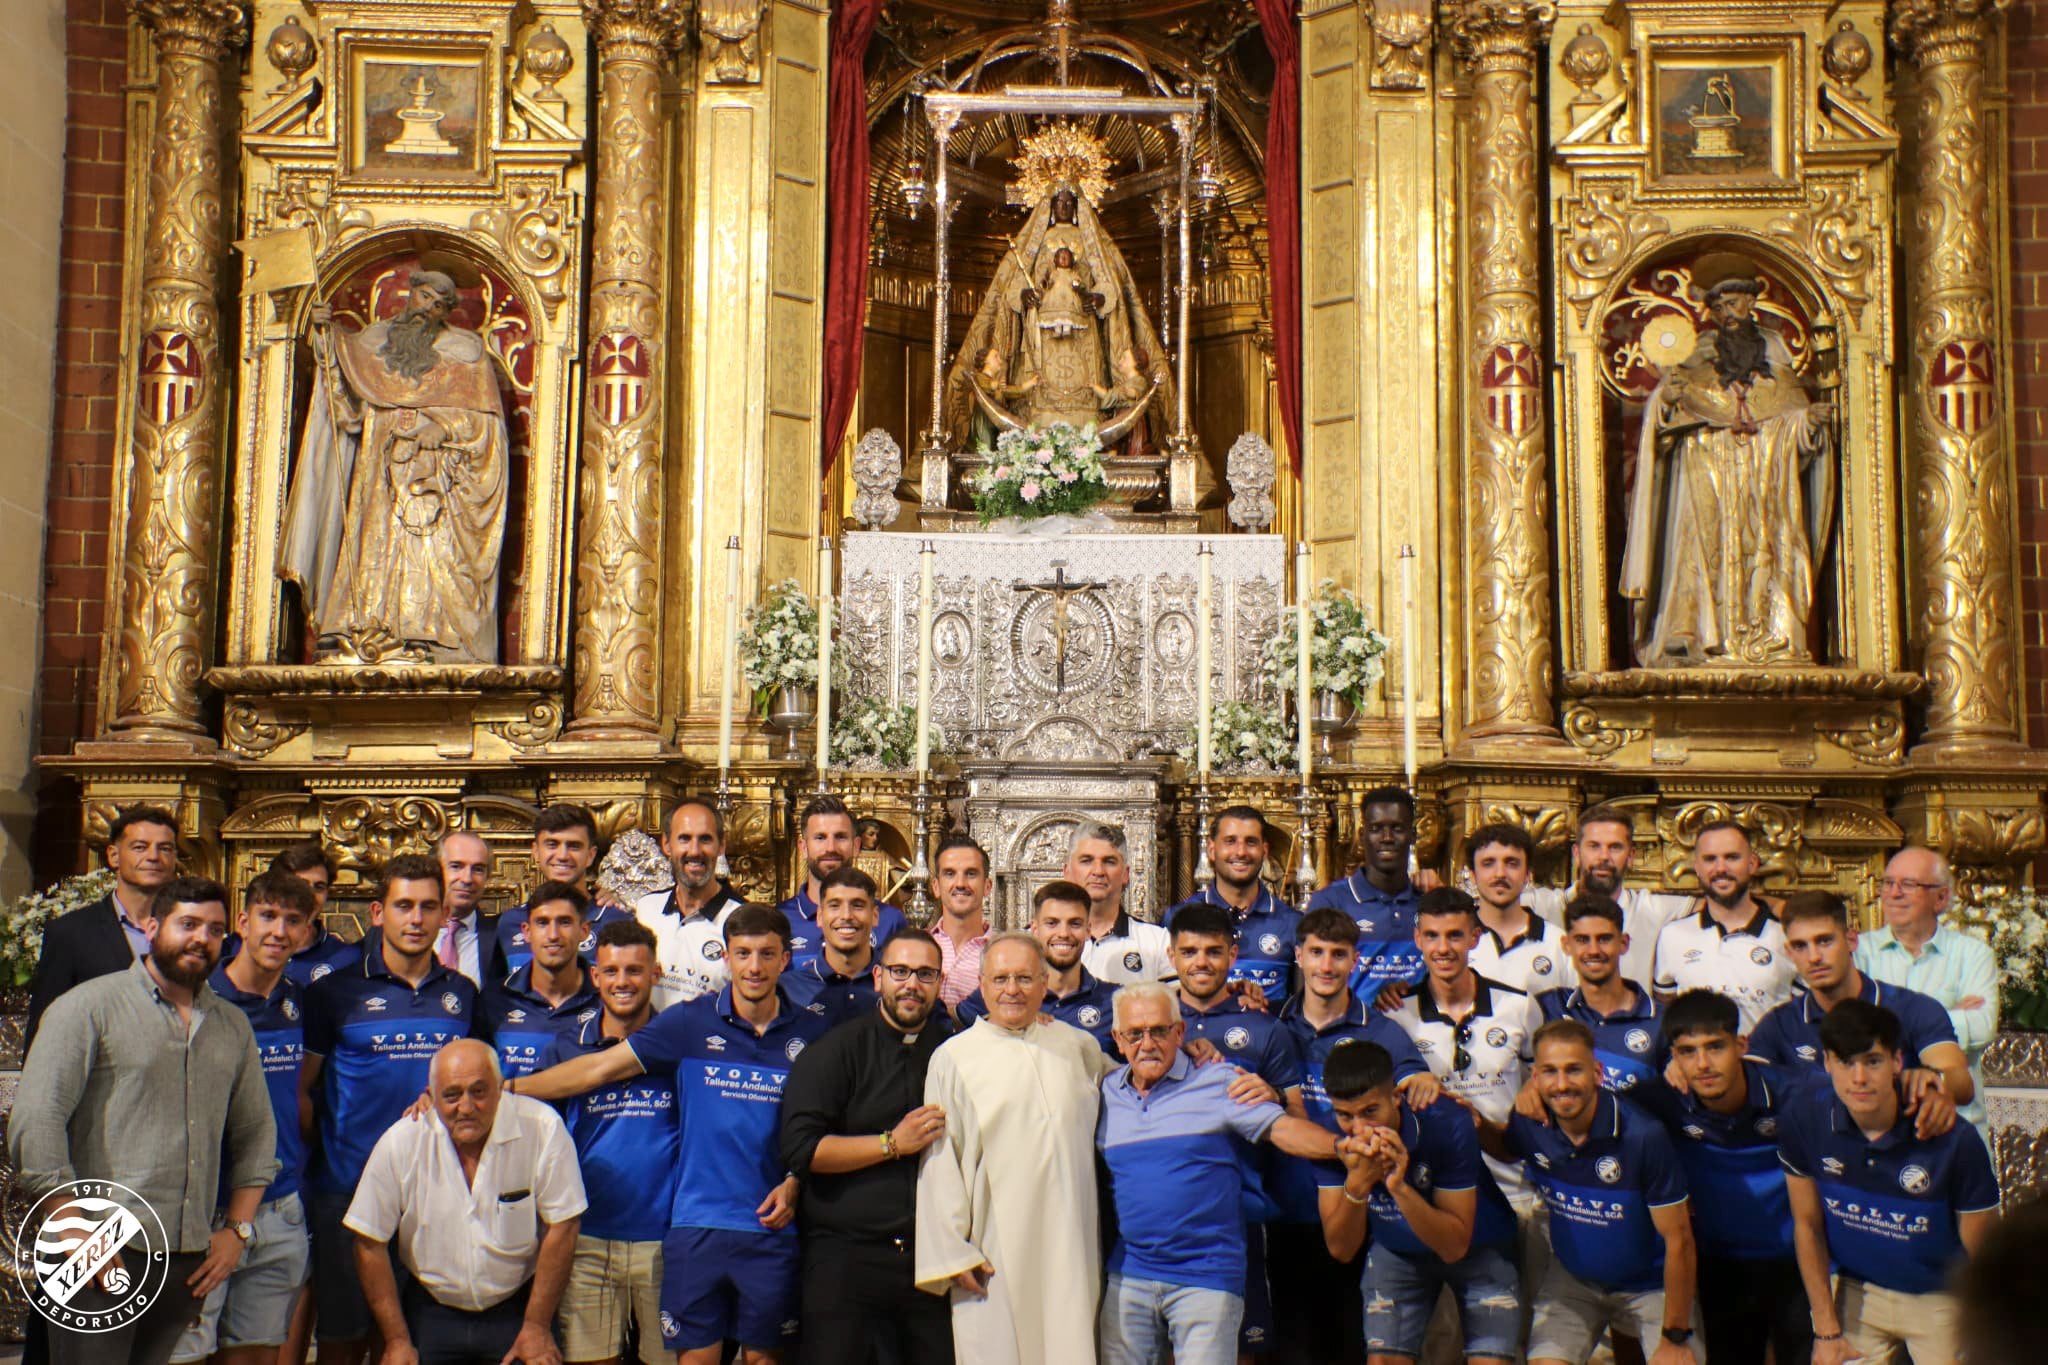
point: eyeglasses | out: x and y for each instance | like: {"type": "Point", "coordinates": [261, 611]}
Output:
{"type": "Point", "coordinates": [1004, 983]}
{"type": "Point", "coordinates": [926, 976]}
{"type": "Point", "coordinates": [1890, 884]}
{"type": "Point", "coordinates": [1158, 1033]}
{"type": "Point", "coordinates": [1461, 1057]}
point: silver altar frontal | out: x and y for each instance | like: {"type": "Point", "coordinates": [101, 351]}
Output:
{"type": "Point", "coordinates": [1063, 673]}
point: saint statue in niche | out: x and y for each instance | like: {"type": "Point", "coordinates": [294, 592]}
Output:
{"type": "Point", "coordinates": [1061, 336]}
{"type": "Point", "coordinates": [1733, 499]}
{"type": "Point", "coordinates": [396, 514]}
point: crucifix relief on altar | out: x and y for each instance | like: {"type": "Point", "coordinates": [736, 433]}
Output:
{"type": "Point", "coordinates": [1061, 591]}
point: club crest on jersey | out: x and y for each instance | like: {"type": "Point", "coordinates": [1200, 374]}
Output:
{"type": "Point", "coordinates": [1608, 1169]}
{"type": "Point", "coordinates": [1133, 962]}
{"type": "Point", "coordinates": [713, 951]}
{"type": "Point", "coordinates": [1089, 1016]}
{"type": "Point", "coordinates": [1638, 1040]}
{"type": "Point", "coordinates": [322, 970]}
{"type": "Point", "coordinates": [1269, 943]}
{"type": "Point", "coordinates": [1496, 1037]}
{"type": "Point", "coordinates": [1915, 1180]}
{"type": "Point", "coordinates": [451, 1002]}
{"type": "Point", "coordinates": [1540, 965]}
{"type": "Point", "coordinates": [1760, 955]}
{"type": "Point", "coordinates": [1419, 1178]}
{"type": "Point", "coordinates": [1237, 1039]}
{"type": "Point", "coordinates": [796, 1045]}
{"type": "Point", "coordinates": [288, 1010]}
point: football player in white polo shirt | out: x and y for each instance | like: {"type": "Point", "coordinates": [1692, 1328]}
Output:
{"type": "Point", "coordinates": [1515, 947]}
{"type": "Point", "coordinates": [1734, 944]}
{"type": "Point", "coordinates": [1121, 948]}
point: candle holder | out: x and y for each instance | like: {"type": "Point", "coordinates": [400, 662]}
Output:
{"type": "Point", "coordinates": [921, 909]}
{"type": "Point", "coordinates": [724, 867]}
{"type": "Point", "coordinates": [1305, 868]}
{"type": "Point", "coordinates": [1204, 873]}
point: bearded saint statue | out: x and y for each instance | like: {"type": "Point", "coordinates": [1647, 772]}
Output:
{"type": "Point", "coordinates": [1060, 316]}
{"type": "Point", "coordinates": [397, 508]}
{"type": "Point", "coordinates": [1733, 501]}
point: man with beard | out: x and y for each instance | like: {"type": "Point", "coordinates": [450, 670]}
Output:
{"type": "Point", "coordinates": [1513, 947]}
{"type": "Point", "coordinates": [1735, 944]}
{"type": "Point", "coordinates": [148, 1079]}
{"type": "Point", "coordinates": [1059, 921]}
{"type": "Point", "coordinates": [688, 919]}
{"type": "Point", "coordinates": [1622, 1014]}
{"type": "Point", "coordinates": [565, 848]}
{"type": "Point", "coordinates": [397, 505]}
{"type": "Point", "coordinates": [853, 1123]}
{"type": "Point", "coordinates": [1264, 924]}
{"type": "Point", "coordinates": [829, 842]}
{"type": "Point", "coordinates": [1378, 896]}
{"type": "Point", "coordinates": [1601, 856]}
{"type": "Point", "coordinates": [1733, 500]}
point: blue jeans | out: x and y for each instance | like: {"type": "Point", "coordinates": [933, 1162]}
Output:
{"type": "Point", "coordinates": [1401, 1291]}
{"type": "Point", "coordinates": [1140, 1318]}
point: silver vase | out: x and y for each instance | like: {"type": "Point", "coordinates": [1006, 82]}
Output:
{"type": "Point", "coordinates": [791, 709]}
{"type": "Point", "coordinates": [1330, 714]}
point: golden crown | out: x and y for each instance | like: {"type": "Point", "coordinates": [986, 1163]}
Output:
{"type": "Point", "coordinates": [1061, 155]}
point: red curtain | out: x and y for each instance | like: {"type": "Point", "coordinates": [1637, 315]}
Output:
{"type": "Point", "coordinates": [846, 210]}
{"type": "Point", "coordinates": [1283, 211]}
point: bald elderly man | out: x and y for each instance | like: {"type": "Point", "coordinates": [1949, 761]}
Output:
{"type": "Point", "coordinates": [483, 1203]}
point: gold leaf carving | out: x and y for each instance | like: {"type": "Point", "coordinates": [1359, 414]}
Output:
{"type": "Point", "coordinates": [365, 832]}
{"type": "Point", "coordinates": [1605, 233]}
{"type": "Point", "coordinates": [1834, 233]}
{"type": "Point", "coordinates": [1879, 739]}
{"type": "Point", "coordinates": [1595, 736]}
{"type": "Point", "coordinates": [249, 732]}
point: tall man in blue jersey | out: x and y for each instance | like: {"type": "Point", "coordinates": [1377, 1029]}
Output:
{"type": "Point", "coordinates": [553, 995]}
{"type": "Point", "coordinates": [1378, 896]}
{"type": "Point", "coordinates": [1891, 1213]}
{"type": "Point", "coordinates": [1624, 1015]}
{"type": "Point", "coordinates": [730, 1266]}
{"type": "Point", "coordinates": [1264, 924]}
{"type": "Point", "coordinates": [829, 842]}
{"type": "Point", "coordinates": [625, 1135]}
{"type": "Point", "coordinates": [839, 983]}
{"type": "Point", "coordinates": [246, 1319]}
{"type": "Point", "coordinates": [564, 850]}
{"type": "Point", "coordinates": [371, 1034]}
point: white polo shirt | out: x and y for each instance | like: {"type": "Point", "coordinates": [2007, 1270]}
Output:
{"type": "Point", "coordinates": [1748, 965]}
{"type": "Point", "coordinates": [689, 948]}
{"type": "Point", "coordinates": [1131, 951]}
{"type": "Point", "coordinates": [1532, 962]}
{"type": "Point", "coordinates": [471, 1246]}
{"type": "Point", "coordinates": [1643, 917]}
{"type": "Point", "coordinates": [1498, 1040]}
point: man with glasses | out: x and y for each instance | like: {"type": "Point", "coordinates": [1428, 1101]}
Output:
{"type": "Point", "coordinates": [1916, 950]}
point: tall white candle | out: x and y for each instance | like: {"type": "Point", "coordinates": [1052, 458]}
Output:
{"type": "Point", "coordinates": [1204, 612]}
{"type": "Point", "coordinates": [732, 650]}
{"type": "Point", "coordinates": [1408, 699]}
{"type": "Point", "coordinates": [927, 556]}
{"type": "Point", "coordinates": [824, 656]}
{"type": "Point", "coordinates": [1303, 639]}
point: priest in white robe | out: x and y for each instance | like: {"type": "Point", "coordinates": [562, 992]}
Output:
{"type": "Point", "coordinates": [1006, 1217]}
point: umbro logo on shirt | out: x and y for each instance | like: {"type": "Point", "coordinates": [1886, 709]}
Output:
{"type": "Point", "coordinates": [714, 1043]}
{"type": "Point", "coordinates": [1543, 1161]}
{"type": "Point", "coordinates": [1365, 926]}
{"type": "Point", "coordinates": [322, 970]}
{"type": "Point", "coordinates": [1807, 1052]}
{"type": "Point", "coordinates": [375, 1004]}
{"type": "Point", "coordinates": [1695, 1132]}
{"type": "Point", "coordinates": [516, 1017]}
{"type": "Point", "coordinates": [586, 1016]}
{"type": "Point", "coordinates": [1695, 954]}
{"type": "Point", "coordinates": [1830, 1165]}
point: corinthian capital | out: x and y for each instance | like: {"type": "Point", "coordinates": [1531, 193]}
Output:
{"type": "Point", "coordinates": [650, 29]}
{"type": "Point", "coordinates": [1943, 30]}
{"type": "Point", "coordinates": [200, 28]}
{"type": "Point", "coordinates": [1491, 35]}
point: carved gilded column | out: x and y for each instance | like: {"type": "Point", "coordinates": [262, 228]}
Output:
{"type": "Point", "coordinates": [618, 565]}
{"type": "Point", "coordinates": [1961, 472]}
{"type": "Point", "coordinates": [173, 493]}
{"type": "Point", "coordinates": [1507, 493]}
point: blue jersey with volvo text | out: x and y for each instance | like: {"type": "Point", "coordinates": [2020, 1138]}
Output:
{"type": "Point", "coordinates": [829, 995]}
{"type": "Point", "coordinates": [279, 1023]}
{"type": "Point", "coordinates": [1296, 1180]}
{"type": "Point", "coordinates": [1600, 1192]}
{"type": "Point", "coordinates": [1265, 939]}
{"type": "Point", "coordinates": [519, 1024]}
{"type": "Point", "coordinates": [807, 940]}
{"type": "Point", "coordinates": [1386, 930]}
{"type": "Point", "coordinates": [625, 1135]}
{"type": "Point", "coordinates": [1443, 1155]}
{"type": "Point", "coordinates": [1629, 1044]}
{"type": "Point", "coordinates": [1790, 1034]}
{"type": "Point", "coordinates": [514, 954]}
{"type": "Point", "coordinates": [1740, 1210]}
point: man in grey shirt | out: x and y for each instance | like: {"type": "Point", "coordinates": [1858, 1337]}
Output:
{"type": "Point", "coordinates": [140, 1078]}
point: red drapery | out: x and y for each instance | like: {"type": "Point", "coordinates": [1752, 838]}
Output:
{"type": "Point", "coordinates": [846, 209]}
{"type": "Point", "coordinates": [1283, 212]}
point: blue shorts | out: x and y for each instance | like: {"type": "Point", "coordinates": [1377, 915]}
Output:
{"type": "Point", "coordinates": [1401, 1291]}
{"type": "Point", "coordinates": [718, 1285]}
{"type": "Point", "coordinates": [1255, 1329]}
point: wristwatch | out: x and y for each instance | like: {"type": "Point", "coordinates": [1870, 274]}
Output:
{"type": "Point", "coordinates": [1678, 1336]}
{"type": "Point", "coordinates": [245, 1231]}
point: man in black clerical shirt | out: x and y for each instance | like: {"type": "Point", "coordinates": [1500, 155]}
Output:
{"type": "Point", "coordinates": [853, 1119]}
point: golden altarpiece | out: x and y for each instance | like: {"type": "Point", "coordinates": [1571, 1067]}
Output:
{"type": "Point", "coordinates": [1521, 224]}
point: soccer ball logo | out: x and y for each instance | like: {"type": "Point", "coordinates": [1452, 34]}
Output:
{"type": "Point", "coordinates": [1760, 955]}
{"type": "Point", "coordinates": [1608, 1169]}
{"type": "Point", "coordinates": [1915, 1180]}
{"type": "Point", "coordinates": [1237, 1039]}
{"type": "Point", "coordinates": [1638, 1040]}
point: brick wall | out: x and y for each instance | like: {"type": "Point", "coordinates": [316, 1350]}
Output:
{"type": "Point", "coordinates": [82, 443]}
{"type": "Point", "coordinates": [2028, 64]}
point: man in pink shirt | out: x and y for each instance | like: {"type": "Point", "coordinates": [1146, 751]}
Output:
{"type": "Point", "coordinates": [960, 878]}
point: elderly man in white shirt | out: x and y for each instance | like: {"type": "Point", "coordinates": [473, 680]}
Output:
{"type": "Point", "coordinates": [483, 1202]}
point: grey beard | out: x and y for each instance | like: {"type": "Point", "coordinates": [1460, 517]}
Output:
{"type": "Point", "coordinates": [409, 344]}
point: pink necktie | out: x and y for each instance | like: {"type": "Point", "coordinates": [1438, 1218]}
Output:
{"type": "Point", "coordinates": [450, 955]}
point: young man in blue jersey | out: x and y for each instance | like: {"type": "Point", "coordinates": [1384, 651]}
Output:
{"type": "Point", "coordinates": [1170, 1137]}
{"type": "Point", "coordinates": [246, 1320]}
{"type": "Point", "coordinates": [1059, 921]}
{"type": "Point", "coordinates": [829, 842]}
{"type": "Point", "coordinates": [730, 1267]}
{"type": "Point", "coordinates": [564, 850]}
{"type": "Point", "coordinates": [625, 1135]}
{"type": "Point", "coordinates": [1263, 923]}
{"type": "Point", "coordinates": [371, 1034]}
{"type": "Point", "coordinates": [839, 983]}
{"type": "Point", "coordinates": [318, 952]}
{"type": "Point", "coordinates": [1415, 1179]}
{"type": "Point", "coordinates": [1316, 1297]}
{"type": "Point", "coordinates": [1725, 1125]}
{"type": "Point", "coordinates": [1821, 942]}
{"type": "Point", "coordinates": [1620, 1231]}
{"type": "Point", "coordinates": [1889, 1213]}
{"type": "Point", "coordinates": [1378, 896]}
{"type": "Point", "coordinates": [553, 995]}
{"type": "Point", "coordinates": [1624, 1015]}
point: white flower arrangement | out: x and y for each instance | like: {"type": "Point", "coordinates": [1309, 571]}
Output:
{"type": "Point", "coordinates": [779, 644]}
{"type": "Point", "coordinates": [870, 733]}
{"type": "Point", "coordinates": [24, 920]}
{"type": "Point", "coordinates": [1246, 738]}
{"type": "Point", "coordinates": [1033, 474]}
{"type": "Point", "coordinates": [1347, 655]}
{"type": "Point", "coordinates": [2019, 940]}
